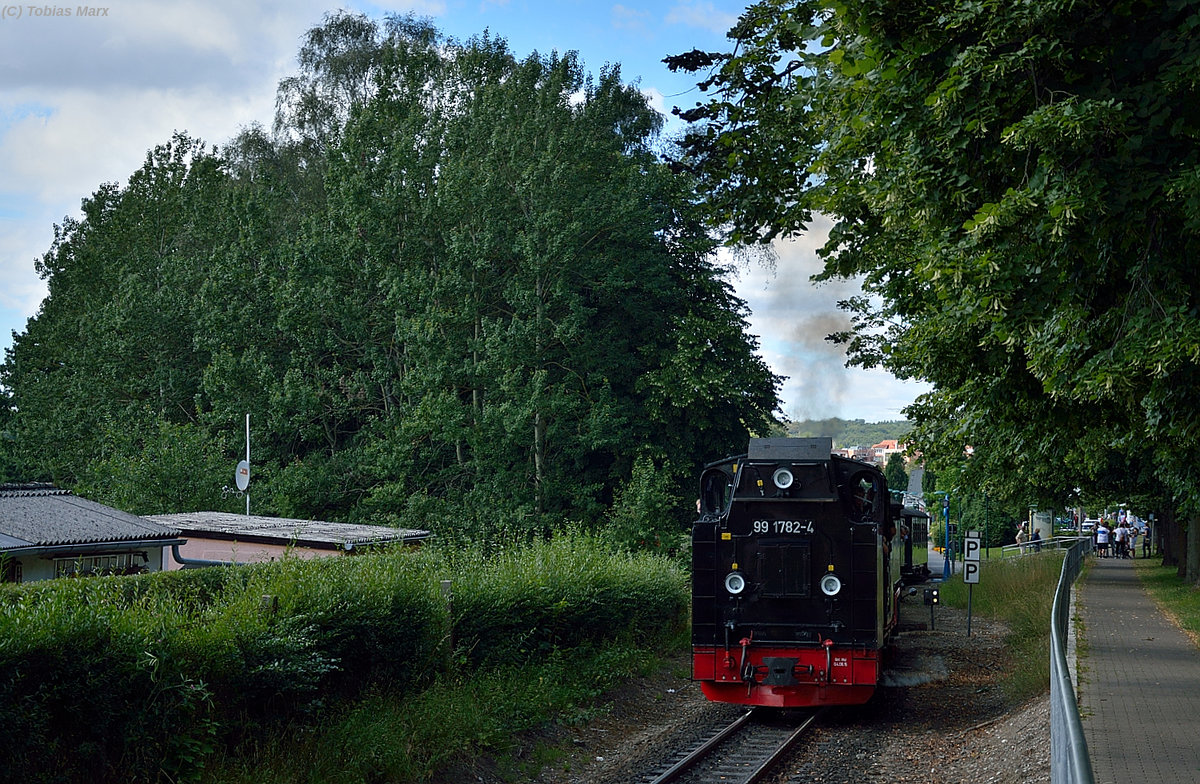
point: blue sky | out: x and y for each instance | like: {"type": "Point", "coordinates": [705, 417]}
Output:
{"type": "Point", "coordinates": [83, 99]}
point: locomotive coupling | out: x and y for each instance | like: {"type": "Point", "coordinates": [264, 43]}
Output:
{"type": "Point", "coordinates": [747, 667]}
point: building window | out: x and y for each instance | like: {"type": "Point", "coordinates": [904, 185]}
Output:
{"type": "Point", "coordinates": [10, 570]}
{"type": "Point", "coordinates": [91, 565]}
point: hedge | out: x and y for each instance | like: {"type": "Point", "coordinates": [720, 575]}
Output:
{"type": "Point", "coordinates": [141, 678]}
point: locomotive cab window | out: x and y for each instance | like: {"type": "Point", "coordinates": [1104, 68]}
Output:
{"type": "Point", "coordinates": [866, 495]}
{"type": "Point", "coordinates": [716, 491]}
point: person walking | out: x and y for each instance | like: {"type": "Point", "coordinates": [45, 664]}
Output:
{"type": "Point", "coordinates": [1102, 539]}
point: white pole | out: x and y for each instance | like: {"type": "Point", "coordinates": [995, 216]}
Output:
{"type": "Point", "coordinates": [247, 462]}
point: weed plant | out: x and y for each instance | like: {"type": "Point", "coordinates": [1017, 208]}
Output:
{"type": "Point", "coordinates": [1020, 593]}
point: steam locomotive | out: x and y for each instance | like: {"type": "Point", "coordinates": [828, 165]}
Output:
{"type": "Point", "coordinates": [795, 592]}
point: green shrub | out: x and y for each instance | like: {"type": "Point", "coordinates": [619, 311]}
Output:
{"type": "Point", "coordinates": [527, 600]}
{"type": "Point", "coordinates": [89, 690]}
{"type": "Point", "coordinates": [145, 678]}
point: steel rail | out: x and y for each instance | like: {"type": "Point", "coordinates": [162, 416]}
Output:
{"type": "Point", "coordinates": [784, 748]}
{"type": "Point", "coordinates": [681, 767]}
{"type": "Point", "coordinates": [700, 753]}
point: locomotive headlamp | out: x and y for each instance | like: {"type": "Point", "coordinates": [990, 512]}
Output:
{"type": "Point", "coordinates": [782, 478]}
{"type": "Point", "coordinates": [735, 583]}
{"type": "Point", "coordinates": [831, 584]}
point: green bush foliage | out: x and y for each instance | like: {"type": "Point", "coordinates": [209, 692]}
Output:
{"type": "Point", "coordinates": [526, 601]}
{"type": "Point", "coordinates": [144, 678]}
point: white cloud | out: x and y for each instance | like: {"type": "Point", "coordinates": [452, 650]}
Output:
{"type": "Point", "coordinates": [701, 14]}
{"type": "Point", "coordinates": [625, 18]}
{"type": "Point", "coordinates": [82, 100]}
{"type": "Point", "coordinates": [656, 100]}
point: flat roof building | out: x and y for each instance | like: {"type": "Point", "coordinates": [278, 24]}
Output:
{"type": "Point", "coordinates": [225, 537]}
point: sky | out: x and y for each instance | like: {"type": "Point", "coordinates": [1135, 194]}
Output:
{"type": "Point", "coordinates": [84, 98]}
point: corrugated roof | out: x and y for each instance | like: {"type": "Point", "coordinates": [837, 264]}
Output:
{"type": "Point", "coordinates": [282, 530]}
{"type": "Point", "coordinates": [41, 515]}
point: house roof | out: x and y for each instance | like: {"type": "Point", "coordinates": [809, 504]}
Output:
{"type": "Point", "coordinates": [286, 531]}
{"type": "Point", "coordinates": [40, 516]}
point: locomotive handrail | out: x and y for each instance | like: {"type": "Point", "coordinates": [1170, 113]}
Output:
{"type": "Point", "coordinates": [1069, 759]}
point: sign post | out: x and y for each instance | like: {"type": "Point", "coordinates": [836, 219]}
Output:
{"type": "Point", "coordinates": [971, 549]}
{"type": "Point", "coordinates": [241, 476]}
{"type": "Point", "coordinates": [947, 567]}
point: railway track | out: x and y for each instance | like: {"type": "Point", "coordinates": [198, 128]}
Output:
{"type": "Point", "coordinates": [741, 753]}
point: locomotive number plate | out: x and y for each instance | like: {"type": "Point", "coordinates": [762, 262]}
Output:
{"type": "Point", "coordinates": [783, 526]}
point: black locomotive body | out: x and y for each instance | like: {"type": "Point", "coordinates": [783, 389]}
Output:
{"type": "Point", "coordinates": [794, 593]}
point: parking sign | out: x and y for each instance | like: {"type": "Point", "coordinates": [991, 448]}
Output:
{"type": "Point", "coordinates": [971, 546]}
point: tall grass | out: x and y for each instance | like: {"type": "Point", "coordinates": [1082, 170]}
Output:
{"type": "Point", "coordinates": [442, 732]}
{"type": "Point", "coordinates": [1020, 593]}
{"type": "Point", "coordinates": [516, 603]}
{"type": "Point", "coordinates": [1178, 599]}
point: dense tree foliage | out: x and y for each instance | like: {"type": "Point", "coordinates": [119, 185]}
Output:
{"type": "Point", "coordinates": [1017, 186]}
{"type": "Point", "coordinates": [897, 477]}
{"type": "Point", "coordinates": [453, 288]}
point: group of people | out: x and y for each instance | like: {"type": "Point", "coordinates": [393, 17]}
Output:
{"type": "Point", "coordinates": [1118, 539]}
{"type": "Point", "coordinates": [1034, 539]}
{"type": "Point", "coordinates": [1121, 540]}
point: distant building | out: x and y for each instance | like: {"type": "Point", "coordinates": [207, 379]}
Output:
{"type": "Point", "coordinates": [865, 454]}
{"type": "Point", "coordinates": [47, 532]}
{"type": "Point", "coordinates": [222, 537]}
{"type": "Point", "coordinates": [885, 449]}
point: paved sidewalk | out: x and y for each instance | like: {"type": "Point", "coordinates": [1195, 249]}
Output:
{"type": "Point", "coordinates": [1139, 683]}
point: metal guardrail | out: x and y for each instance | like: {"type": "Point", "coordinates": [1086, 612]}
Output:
{"type": "Point", "coordinates": [1069, 759]}
{"type": "Point", "coordinates": [1055, 543]}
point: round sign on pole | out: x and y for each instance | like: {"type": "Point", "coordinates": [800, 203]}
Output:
{"type": "Point", "coordinates": [242, 476]}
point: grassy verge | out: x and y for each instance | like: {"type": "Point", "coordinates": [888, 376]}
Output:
{"type": "Point", "coordinates": [1179, 600]}
{"type": "Point", "coordinates": [446, 732]}
{"type": "Point", "coordinates": [1019, 592]}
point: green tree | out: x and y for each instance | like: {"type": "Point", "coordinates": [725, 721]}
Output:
{"type": "Point", "coordinates": [897, 477]}
{"type": "Point", "coordinates": [1016, 185]}
{"type": "Point", "coordinates": [114, 333]}
{"type": "Point", "coordinates": [454, 288]}
{"type": "Point", "coordinates": [928, 481]}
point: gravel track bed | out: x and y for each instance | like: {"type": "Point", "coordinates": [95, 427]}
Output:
{"type": "Point", "coordinates": [944, 718]}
